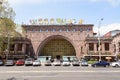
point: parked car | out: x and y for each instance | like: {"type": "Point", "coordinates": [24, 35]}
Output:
{"type": "Point", "coordinates": [37, 63]}
{"type": "Point", "coordinates": [48, 63]}
{"type": "Point", "coordinates": [84, 63]}
{"type": "Point", "coordinates": [9, 63]}
{"type": "Point", "coordinates": [29, 62]}
{"type": "Point", "coordinates": [115, 64]}
{"type": "Point", "coordinates": [75, 63]}
{"type": "Point", "coordinates": [101, 64]}
{"type": "Point", "coordinates": [1, 63]}
{"type": "Point", "coordinates": [57, 63]}
{"type": "Point", "coordinates": [66, 63]}
{"type": "Point", "coordinates": [20, 63]}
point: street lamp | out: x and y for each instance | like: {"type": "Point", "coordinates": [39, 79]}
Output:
{"type": "Point", "coordinates": [99, 39]}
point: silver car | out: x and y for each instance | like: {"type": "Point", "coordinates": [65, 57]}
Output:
{"type": "Point", "coordinates": [29, 62]}
{"type": "Point", "coordinates": [76, 63]}
{"type": "Point", "coordinates": [9, 63]}
{"type": "Point", "coordinates": [48, 63]}
{"type": "Point", "coordinates": [37, 63]}
{"type": "Point", "coordinates": [57, 63]}
{"type": "Point", "coordinates": [66, 63]}
{"type": "Point", "coordinates": [84, 63]}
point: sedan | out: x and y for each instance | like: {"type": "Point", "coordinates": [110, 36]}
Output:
{"type": "Point", "coordinates": [37, 63]}
{"type": "Point", "coordinates": [47, 63]}
{"type": "Point", "coordinates": [9, 63]}
{"type": "Point", "coordinates": [66, 63]}
{"type": "Point", "coordinates": [57, 63]}
{"type": "Point", "coordinates": [115, 64]}
{"type": "Point", "coordinates": [20, 62]}
{"type": "Point", "coordinates": [29, 62]}
{"type": "Point", "coordinates": [101, 64]}
{"type": "Point", "coordinates": [76, 63]}
{"type": "Point", "coordinates": [84, 63]}
{"type": "Point", "coordinates": [1, 63]}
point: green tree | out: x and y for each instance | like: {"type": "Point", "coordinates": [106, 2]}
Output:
{"type": "Point", "coordinates": [7, 25]}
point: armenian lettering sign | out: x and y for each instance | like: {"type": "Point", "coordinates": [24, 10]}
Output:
{"type": "Point", "coordinates": [53, 21]}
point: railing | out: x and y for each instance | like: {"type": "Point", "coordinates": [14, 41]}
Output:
{"type": "Point", "coordinates": [97, 53]}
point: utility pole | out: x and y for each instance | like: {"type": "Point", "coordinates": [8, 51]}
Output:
{"type": "Point", "coordinates": [99, 39]}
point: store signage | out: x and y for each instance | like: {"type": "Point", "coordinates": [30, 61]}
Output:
{"type": "Point", "coordinates": [52, 21]}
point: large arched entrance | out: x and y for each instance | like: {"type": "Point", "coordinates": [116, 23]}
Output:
{"type": "Point", "coordinates": [57, 46]}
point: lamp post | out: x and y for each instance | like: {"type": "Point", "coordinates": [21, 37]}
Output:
{"type": "Point", "coordinates": [99, 39]}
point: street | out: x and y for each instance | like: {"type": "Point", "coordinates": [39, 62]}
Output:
{"type": "Point", "coordinates": [58, 73]}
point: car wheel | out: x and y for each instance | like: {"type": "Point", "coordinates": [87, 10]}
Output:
{"type": "Point", "coordinates": [116, 65]}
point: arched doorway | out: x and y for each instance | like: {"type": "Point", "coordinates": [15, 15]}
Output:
{"type": "Point", "coordinates": [57, 46]}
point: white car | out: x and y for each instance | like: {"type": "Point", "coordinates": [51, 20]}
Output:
{"type": "Point", "coordinates": [57, 63]}
{"type": "Point", "coordinates": [66, 63]}
{"type": "Point", "coordinates": [115, 64]}
{"type": "Point", "coordinates": [37, 63]}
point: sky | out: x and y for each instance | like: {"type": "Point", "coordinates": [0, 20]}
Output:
{"type": "Point", "coordinates": [90, 11]}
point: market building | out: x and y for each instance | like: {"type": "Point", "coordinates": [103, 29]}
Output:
{"type": "Point", "coordinates": [65, 40]}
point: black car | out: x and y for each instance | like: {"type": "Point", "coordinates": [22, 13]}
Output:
{"type": "Point", "coordinates": [101, 64]}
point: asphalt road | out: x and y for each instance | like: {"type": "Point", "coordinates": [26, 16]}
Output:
{"type": "Point", "coordinates": [58, 73]}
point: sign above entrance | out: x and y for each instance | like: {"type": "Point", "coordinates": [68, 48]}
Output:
{"type": "Point", "coordinates": [53, 21]}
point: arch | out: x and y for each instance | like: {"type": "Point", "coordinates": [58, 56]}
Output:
{"type": "Point", "coordinates": [46, 41]}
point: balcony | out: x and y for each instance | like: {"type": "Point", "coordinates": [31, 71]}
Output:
{"type": "Point", "coordinates": [97, 53]}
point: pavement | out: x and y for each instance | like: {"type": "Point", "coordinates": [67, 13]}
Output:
{"type": "Point", "coordinates": [58, 73]}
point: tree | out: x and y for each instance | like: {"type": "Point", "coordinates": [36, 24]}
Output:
{"type": "Point", "coordinates": [7, 25]}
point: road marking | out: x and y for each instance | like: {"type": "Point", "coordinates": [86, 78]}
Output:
{"type": "Point", "coordinates": [61, 71]}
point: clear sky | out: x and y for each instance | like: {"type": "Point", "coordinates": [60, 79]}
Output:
{"type": "Point", "coordinates": [91, 11]}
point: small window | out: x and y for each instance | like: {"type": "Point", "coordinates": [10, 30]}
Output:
{"type": "Point", "coordinates": [40, 30]}
{"type": "Point", "coordinates": [53, 30]}
{"type": "Point", "coordinates": [74, 30]}
{"type": "Point", "coordinates": [107, 46]}
{"type": "Point", "coordinates": [81, 29]}
{"type": "Point", "coordinates": [33, 30]}
{"type": "Point", "coordinates": [60, 30]}
{"type": "Point", "coordinates": [91, 46]}
{"type": "Point", "coordinates": [67, 30]}
{"type": "Point", "coordinates": [47, 30]}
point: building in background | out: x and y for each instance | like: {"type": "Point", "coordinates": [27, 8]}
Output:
{"type": "Point", "coordinates": [65, 40]}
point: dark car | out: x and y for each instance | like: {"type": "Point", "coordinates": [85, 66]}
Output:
{"type": "Point", "coordinates": [20, 62]}
{"type": "Point", "coordinates": [101, 64]}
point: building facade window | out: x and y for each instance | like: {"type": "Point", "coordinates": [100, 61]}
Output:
{"type": "Point", "coordinates": [67, 30]}
{"type": "Point", "coordinates": [91, 46]}
{"type": "Point", "coordinates": [74, 30]}
{"type": "Point", "coordinates": [46, 30]}
{"type": "Point", "coordinates": [53, 30]}
{"type": "Point", "coordinates": [12, 47]}
{"type": "Point", "coordinates": [81, 29]}
{"type": "Point", "coordinates": [107, 46]}
{"type": "Point", "coordinates": [40, 30]}
{"type": "Point", "coordinates": [60, 30]}
{"type": "Point", "coordinates": [20, 47]}
{"type": "Point", "coordinates": [33, 30]}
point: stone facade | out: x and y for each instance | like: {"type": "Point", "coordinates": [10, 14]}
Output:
{"type": "Point", "coordinates": [75, 34]}
{"type": "Point", "coordinates": [79, 39]}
